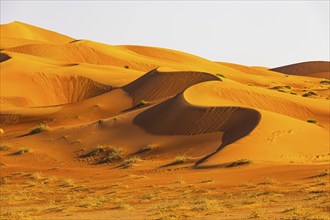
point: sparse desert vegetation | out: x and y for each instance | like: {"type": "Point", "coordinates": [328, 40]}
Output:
{"type": "Point", "coordinates": [220, 75]}
{"type": "Point", "coordinates": [240, 163]}
{"type": "Point", "coordinates": [21, 151]}
{"type": "Point", "coordinates": [40, 128]}
{"type": "Point", "coordinates": [4, 147]}
{"type": "Point", "coordinates": [180, 159]}
{"type": "Point", "coordinates": [310, 93]}
{"type": "Point", "coordinates": [130, 161]}
{"type": "Point", "coordinates": [312, 121]}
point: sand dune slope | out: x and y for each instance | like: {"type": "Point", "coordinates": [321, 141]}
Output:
{"type": "Point", "coordinates": [4, 57]}
{"type": "Point", "coordinates": [22, 30]}
{"type": "Point", "coordinates": [319, 69]}
{"type": "Point", "coordinates": [156, 85]}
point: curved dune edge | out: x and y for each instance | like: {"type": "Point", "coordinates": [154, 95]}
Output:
{"type": "Point", "coordinates": [4, 57]}
{"type": "Point", "coordinates": [156, 85]}
{"type": "Point", "coordinates": [215, 93]}
{"type": "Point", "coordinates": [311, 68]}
{"type": "Point", "coordinates": [177, 117]}
{"type": "Point", "coordinates": [57, 90]}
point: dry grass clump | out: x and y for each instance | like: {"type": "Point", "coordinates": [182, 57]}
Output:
{"type": "Point", "coordinates": [2, 131]}
{"type": "Point", "coordinates": [257, 214]}
{"type": "Point", "coordinates": [310, 93]}
{"type": "Point", "coordinates": [4, 147]}
{"type": "Point", "coordinates": [321, 174]}
{"type": "Point", "coordinates": [209, 180]}
{"type": "Point", "coordinates": [146, 149]}
{"type": "Point", "coordinates": [207, 205]}
{"type": "Point", "coordinates": [270, 181]}
{"type": "Point", "coordinates": [130, 162]}
{"type": "Point", "coordinates": [21, 151]}
{"type": "Point", "coordinates": [240, 163]}
{"type": "Point", "coordinates": [141, 103]}
{"type": "Point", "coordinates": [96, 151]}
{"type": "Point", "coordinates": [104, 154]}
{"type": "Point", "coordinates": [298, 212]}
{"type": "Point", "coordinates": [113, 154]}
{"type": "Point", "coordinates": [41, 127]}
{"type": "Point", "coordinates": [325, 82]}
{"type": "Point", "coordinates": [180, 159]}
{"type": "Point", "coordinates": [67, 183]}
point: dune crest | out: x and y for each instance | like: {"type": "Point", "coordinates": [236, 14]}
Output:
{"type": "Point", "coordinates": [156, 85]}
{"type": "Point", "coordinates": [319, 69]}
{"type": "Point", "coordinates": [177, 117]}
{"type": "Point", "coordinates": [22, 30]}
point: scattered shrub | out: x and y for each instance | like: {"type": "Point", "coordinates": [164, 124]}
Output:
{"type": "Point", "coordinates": [325, 82]}
{"type": "Point", "coordinates": [96, 151]}
{"type": "Point", "coordinates": [130, 162]}
{"type": "Point", "coordinates": [310, 93]}
{"type": "Point", "coordinates": [141, 103]}
{"type": "Point", "coordinates": [220, 75]}
{"type": "Point", "coordinates": [209, 180]}
{"type": "Point", "coordinates": [288, 87]}
{"type": "Point", "coordinates": [39, 128]}
{"type": "Point", "coordinates": [293, 93]}
{"type": "Point", "coordinates": [321, 174]}
{"type": "Point", "coordinates": [104, 154]}
{"type": "Point", "coordinates": [270, 181]}
{"type": "Point", "coordinates": [146, 149]}
{"type": "Point", "coordinates": [113, 154]}
{"type": "Point", "coordinates": [4, 147]}
{"type": "Point", "coordinates": [280, 90]}
{"type": "Point", "coordinates": [126, 67]}
{"type": "Point", "coordinates": [22, 151]}
{"type": "Point", "coordinates": [277, 87]}
{"type": "Point", "coordinates": [180, 159]}
{"type": "Point", "coordinates": [311, 121]}
{"type": "Point", "coordinates": [256, 214]}
{"type": "Point", "coordinates": [240, 163]}
{"type": "Point", "coordinates": [67, 183]}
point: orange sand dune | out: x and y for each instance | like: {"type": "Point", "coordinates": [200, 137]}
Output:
{"type": "Point", "coordinates": [168, 115]}
{"type": "Point", "coordinates": [319, 69]}
{"type": "Point", "coordinates": [156, 85]}
{"type": "Point", "coordinates": [20, 30]}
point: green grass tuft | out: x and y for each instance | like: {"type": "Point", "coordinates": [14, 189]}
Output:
{"type": "Point", "coordinates": [220, 75]}
{"type": "Point", "coordinates": [311, 121]}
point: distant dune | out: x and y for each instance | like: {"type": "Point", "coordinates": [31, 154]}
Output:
{"type": "Point", "coordinates": [313, 68]}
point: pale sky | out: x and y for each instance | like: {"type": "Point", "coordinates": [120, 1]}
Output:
{"type": "Point", "coordinates": [259, 33]}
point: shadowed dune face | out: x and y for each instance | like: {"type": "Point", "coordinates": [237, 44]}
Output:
{"type": "Point", "coordinates": [54, 90]}
{"type": "Point", "coordinates": [156, 85]}
{"type": "Point", "coordinates": [4, 57]}
{"type": "Point", "coordinates": [177, 117]}
{"type": "Point", "coordinates": [312, 68]}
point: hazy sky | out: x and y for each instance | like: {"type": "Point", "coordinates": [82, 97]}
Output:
{"type": "Point", "coordinates": [265, 33]}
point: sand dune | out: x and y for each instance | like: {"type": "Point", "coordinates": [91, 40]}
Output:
{"type": "Point", "coordinates": [156, 85]}
{"type": "Point", "coordinates": [103, 114]}
{"type": "Point", "coordinates": [20, 30]}
{"type": "Point", "coordinates": [319, 69]}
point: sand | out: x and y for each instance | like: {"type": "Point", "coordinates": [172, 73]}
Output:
{"type": "Point", "coordinates": [94, 131]}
